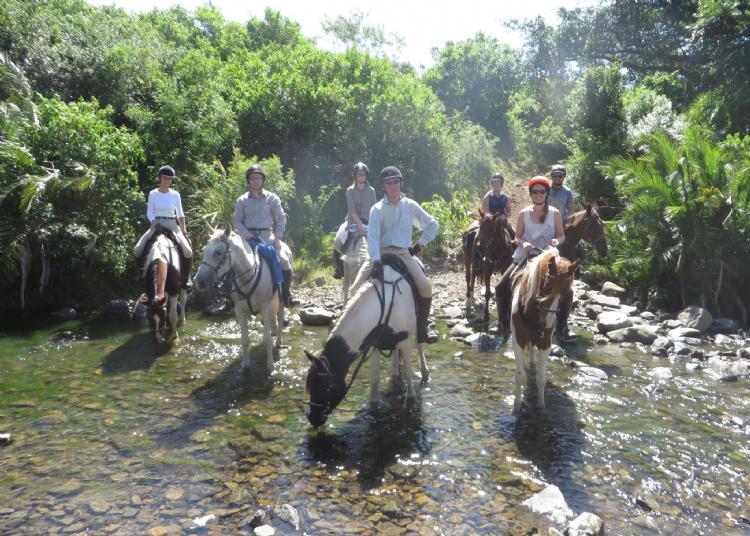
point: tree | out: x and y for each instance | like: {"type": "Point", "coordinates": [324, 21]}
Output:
{"type": "Point", "coordinates": [352, 31]}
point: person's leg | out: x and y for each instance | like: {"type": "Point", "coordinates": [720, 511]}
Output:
{"type": "Point", "coordinates": [338, 246]}
{"type": "Point", "coordinates": [424, 289]}
{"type": "Point", "coordinates": [186, 259]}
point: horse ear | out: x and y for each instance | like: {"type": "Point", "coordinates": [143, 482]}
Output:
{"type": "Point", "coordinates": [227, 230]}
{"type": "Point", "coordinates": [552, 266]}
{"type": "Point", "coordinates": [589, 206]}
{"type": "Point", "coordinates": [573, 266]}
{"type": "Point", "coordinates": [310, 356]}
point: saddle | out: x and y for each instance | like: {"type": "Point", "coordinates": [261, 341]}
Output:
{"type": "Point", "coordinates": [397, 264]}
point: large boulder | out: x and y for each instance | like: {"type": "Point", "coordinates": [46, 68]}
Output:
{"type": "Point", "coordinates": [695, 317]}
{"type": "Point", "coordinates": [316, 316]}
{"type": "Point", "coordinates": [611, 320]}
{"type": "Point", "coordinates": [605, 301]}
{"type": "Point", "coordinates": [724, 325]}
{"type": "Point", "coordinates": [610, 289]}
{"type": "Point", "coordinates": [680, 333]}
{"type": "Point", "coordinates": [642, 334]}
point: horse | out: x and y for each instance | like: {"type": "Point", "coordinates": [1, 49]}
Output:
{"type": "Point", "coordinates": [227, 255]}
{"type": "Point", "coordinates": [379, 317]}
{"type": "Point", "coordinates": [583, 225]}
{"type": "Point", "coordinates": [490, 250]}
{"type": "Point", "coordinates": [354, 255]}
{"type": "Point", "coordinates": [162, 270]}
{"type": "Point", "coordinates": [536, 294]}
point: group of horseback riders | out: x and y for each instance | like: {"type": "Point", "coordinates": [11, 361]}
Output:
{"type": "Point", "coordinates": [388, 224]}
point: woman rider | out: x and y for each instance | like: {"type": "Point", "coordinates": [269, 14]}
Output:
{"type": "Point", "coordinates": [165, 208]}
{"type": "Point", "coordinates": [496, 201]}
{"type": "Point", "coordinates": [360, 197]}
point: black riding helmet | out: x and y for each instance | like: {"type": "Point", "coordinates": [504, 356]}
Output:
{"type": "Point", "coordinates": [360, 167]}
{"type": "Point", "coordinates": [390, 172]}
{"type": "Point", "coordinates": [558, 168]}
{"type": "Point", "coordinates": [255, 168]}
{"type": "Point", "coordinates": [165, 170]}
{"type": "Point", "coordinates": [498, 177]}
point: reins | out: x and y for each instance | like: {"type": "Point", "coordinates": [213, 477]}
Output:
{"type": "Point", "coordinates": [229, 279]}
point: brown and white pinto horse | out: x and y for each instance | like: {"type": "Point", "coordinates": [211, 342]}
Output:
{"type": "Point", "coordinates": [537, 291]}
{"type": "Point", "coordinates": [488, 252]}
{"type": "Point", "coordinates": [162, 269]}
{"type": "Point", "coordinates": [380, 317]}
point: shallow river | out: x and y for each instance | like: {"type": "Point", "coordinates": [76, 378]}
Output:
{"type": "Point", "coordinates": [112, 436]}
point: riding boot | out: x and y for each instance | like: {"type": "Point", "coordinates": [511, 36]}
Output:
{"type": "Point", "coordinates": [286, 294]}
{"type": "Point", "coordinates": [338, 264]}
{"type": "Point", "coordinates": [185, 267]}
{"type": "Point", "coordinates": [424, 333]}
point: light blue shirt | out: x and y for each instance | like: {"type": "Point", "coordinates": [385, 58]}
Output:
{"type": "Point", "coordinates": [391, 225]}
{"type": "Point", "coordinates": [562, 199]}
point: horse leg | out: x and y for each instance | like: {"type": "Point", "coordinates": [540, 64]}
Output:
{"type": "Point", "coordinates": [183, 306]}
{"type": "Point", "coordinates": [541, 375]}
{"type": "Point", "coordinates": [486, 276]}
{"type": "Point", "coordinates": [566, 303]}
{"type": "Point", "coordinates": [161, 280]}
{"type": "Point", "coordinates": [423, 364]}
{"type": "Point", "coordinates": [374, 376]}
{"type": "Point", "coordinates": [468, 272]}
{"type": "Point", "coordinates": [520, 375]}
{"type": "Point", "coordinates": [268, 318]}
{"type": "Point", "coordinates": [279, 312]}
{"type": "Point", "coordinates": [404, 349]}
{"type": "Point", "coordinates": [172, 308]}
{"type": "Point", "coordinates": [240, 313]}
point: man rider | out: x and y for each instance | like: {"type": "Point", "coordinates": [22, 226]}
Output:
{"type": "Point", "coordinates": [360, 197]}
{"type": "Point", "coordinates": [255, 212]}
{"type": "Point", "coordinates": [389, 230]}
{"type": "Point", "coordinates": [561, 197]}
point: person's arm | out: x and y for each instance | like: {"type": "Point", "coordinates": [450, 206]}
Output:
{"type": "Point", "coordinates": [180, 214]}
{"type": "Point", "coordinates": [569, 204]}
{"type": "Point", "coordinates": [559, 231]}
{"type": "Point", "coordinates": [426, 223]}
{"type": "Point", "coordinates": [373, 234]}
{"type": "Point", "coordinates": [150, 208]}
{"type": "Point", "coordinates": [486, 204]}
{"type": "Point", "coordinates": [238, 217]}
{"type": "Point", "coordinates": [520, 228]}
{"type": "Point", "coordinates": [507, 208]}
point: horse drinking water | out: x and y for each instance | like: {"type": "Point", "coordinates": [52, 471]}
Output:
{"type": "Point", "coordinates": [228, 256]}
{"type": "Point", "coordinates": [162, 270]}
{"type": "Point", "coordinates": [379, 317]}
{"type": "Point", "coordinates": [536, 293]}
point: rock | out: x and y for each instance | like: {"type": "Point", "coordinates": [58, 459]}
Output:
{"type": "Point", "coordinates": [600, 339]}
{"type": "Point", "coordinates": [453, 311]}
{"type": "Point", "coordinates": [648, 316]}
{"type": "Point", "coordinates": [725, 325]}
{"type": "Point", "coordinates": [593, 373]}
{"type": "Point", "coordinates": [723, 340]}
{"type": "Point", "coordinates": [586, 524]}
{"type": "Point", "coordinates": [593, 310]}
{"type": "Point", "coordinates": [661, 373]}
{"type": "Point", "coordinates": [611, 320]}
{"type": "Point", "coordinates": [695, 317]}
{"type": "Point", "coordinates": [556, 351]}
{"type": "Point", "coordinates": [680, 333]}
{"type": "Point", "coordinates": [461, 330]}
{"type": "Point", "coordinates": [5, 439]}
{"type": "Point", "coordinates": [483, 342]}
{"type": "Point", "coordinates": [661, 346]}
{"type": "Point", "coordinates": [671, 324]}
{"type": "Point", "coordinates": [605, 301]}
{"type": "Point", "coordinates": [642, 334]}
{"type": "Point", "coordinates": [629, 310]}
{"type": "Point", "coordinates": [740, 368]}
{"type": "Point", "coordinates": [66, 313]}
{"type": "Point", "coordinates": [316, 316]}
{"type": "Point", "coordinates": [744, 353]}
{"type": "Point", "coordinates": [287, 512]}
{"type": "Point", "coordinates": [264, 530]}
{"type": "Point", "coordinates": [118, 308]}
{"type": "Point", "coordinates": [611, 289]}
{"type": "Point", "coordinates": [550, 503]}
{"type": "Point", "coordinates": [203, 520]}
{"type": "Point", "coordinates": [580, 285]}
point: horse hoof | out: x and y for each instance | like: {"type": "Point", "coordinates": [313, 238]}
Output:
{"type": "Point", "coordinates": [425, 379]}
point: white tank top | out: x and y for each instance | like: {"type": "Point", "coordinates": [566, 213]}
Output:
{"type": "Point", "coordinates": [539, 234]}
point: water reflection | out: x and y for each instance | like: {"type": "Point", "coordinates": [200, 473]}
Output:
{"type": "Point", "coordinates": [139, 352]}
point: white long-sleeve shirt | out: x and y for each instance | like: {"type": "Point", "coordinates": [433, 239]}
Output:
{"type": "Point", "coordinates": [164, 205]}
{"type": "Point", "coordinates": [391, 225]}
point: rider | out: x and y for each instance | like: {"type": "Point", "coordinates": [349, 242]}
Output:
{"type": "Point", "coordinates": [165, 208]}
{"type": "Point", "coordinates": [390, 231]}
{"type": "Point", "coordinates": [360, 197]}
{"type": "Point", "coordinates": [254, 213]}
{"type": "Point", "coordinates": [561, 197]}
{"type": "Point", "coordinates": [496, 201]}
{"type": "Point", "coordinates": [540, 224]}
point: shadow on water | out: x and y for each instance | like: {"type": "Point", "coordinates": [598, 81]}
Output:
{"type": "Point", "coordinates": [376, 438]}
{"type": "Point", "coordinates": [138, 353]}
{"type": "Point", "coordinates": [553, 440]}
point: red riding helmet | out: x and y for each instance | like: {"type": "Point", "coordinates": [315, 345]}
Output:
{"type": "Point", "coordinates": [543, 181]}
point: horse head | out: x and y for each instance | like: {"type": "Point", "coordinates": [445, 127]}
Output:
{"type": "Point", "coordinates": [559, 276]}
{"type": "Point", "coordinates": [216, 259]}
{"type": "Point", "coordinates": [491, 236]}
{"type": "Point", "coordinates": [593, 230]}
{"type": "Point", "coordinates": [326, 387]}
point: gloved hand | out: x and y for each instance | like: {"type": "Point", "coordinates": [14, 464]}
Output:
{"type": "Point", "coordinates": [377, 270]}
{"type": "Point", "coordinates": [415, 249]}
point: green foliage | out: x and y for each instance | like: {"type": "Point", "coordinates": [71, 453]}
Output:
{"type": "Point", "coordinates": [453, 216]}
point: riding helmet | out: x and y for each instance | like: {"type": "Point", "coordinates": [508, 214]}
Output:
{"type": "Point", "coordinates": [558, 168]}
{"type": "Point", "coordinates": [360, 167]}
{"type": "Point", "coordinates": [544, 181]}
{"type": "Point", "coordinates": [255, 168]}
{"type": "Point", "coordinates": [390, 172]}
{"type": "Point", "coordinates": [498, 177]}
{"type": "Point", "coordinates": [165, 170]}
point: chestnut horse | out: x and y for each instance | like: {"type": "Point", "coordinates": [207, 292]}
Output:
{"type": "Point", "coordinates": [488, 252]}
{"type": "Point", "coordinates": [536, 293]}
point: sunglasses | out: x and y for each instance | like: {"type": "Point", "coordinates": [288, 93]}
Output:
{"type": "Point", "coordinates": [557, 176]}
{"type": "Point", "coordinates": [391, 181]}
{"type": "Point", "coordinates": [538, 192]}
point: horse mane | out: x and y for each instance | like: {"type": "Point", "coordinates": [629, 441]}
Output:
{"type": "Point", "coordinates": [532, 279]}
{"type": "Point", "coordinates": [351, 305]}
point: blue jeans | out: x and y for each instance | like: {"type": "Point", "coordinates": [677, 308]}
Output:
{"type": "Point", "coordinates": [268, 252]}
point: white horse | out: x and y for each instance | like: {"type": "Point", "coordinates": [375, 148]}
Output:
{"type": "Point", "coordinates": [251, 284]}
{"type": "Point", "coordinates": [162, 270]}
{"type": "Point", "coordinates": [354, 256]}
{"type": "Point", "coordinates": [379, 317]}
{"type": "Point", "coordinates": [537, 291]}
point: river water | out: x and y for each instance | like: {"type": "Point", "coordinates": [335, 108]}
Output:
{"type": "Point", "coordinates": [111, 435]}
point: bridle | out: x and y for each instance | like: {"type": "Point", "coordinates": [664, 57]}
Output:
{"type": "Point", "coordinates": [490, 243]}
